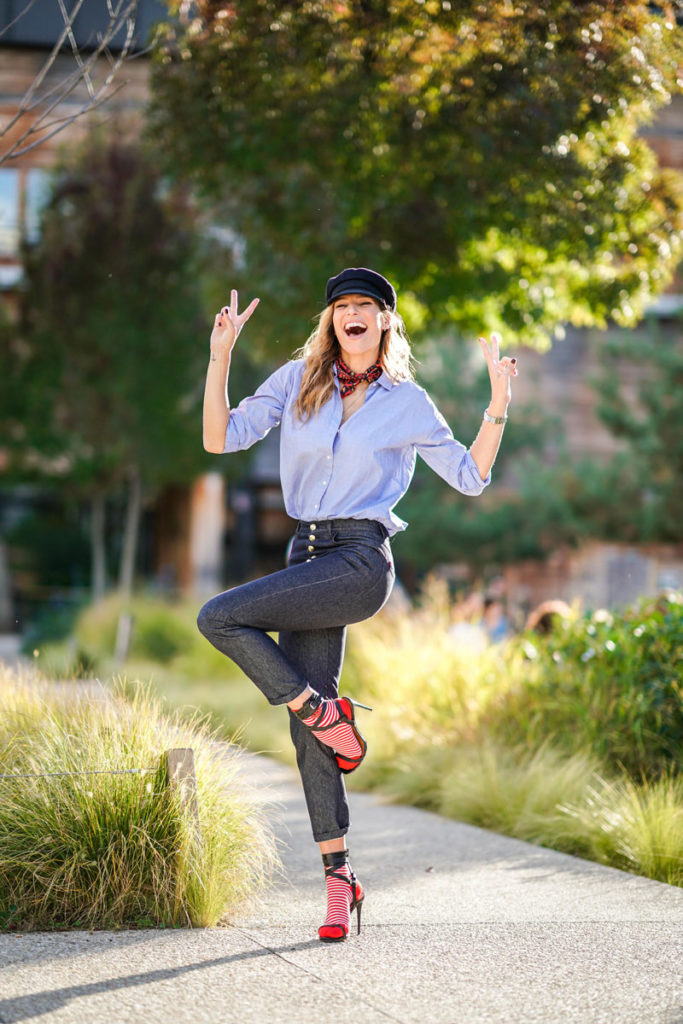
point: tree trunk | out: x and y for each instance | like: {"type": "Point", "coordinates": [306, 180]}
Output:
{"type": "Point", "coordinates": [97, 546]}
{"type": "Point", "coordinates": [130, 535]}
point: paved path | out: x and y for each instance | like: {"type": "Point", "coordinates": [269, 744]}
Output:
{"type": "Point", "coordinates": [460, 926]}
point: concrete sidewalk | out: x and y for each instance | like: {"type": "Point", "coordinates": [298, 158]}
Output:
{"type": "Point", "coordinates": [459, 925]}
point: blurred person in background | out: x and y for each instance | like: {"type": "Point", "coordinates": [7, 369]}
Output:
{"type": "Point", "coordinates": [494, 620]}
{"type": "Point", "coordinates": [547, 616]}
{"type": "Point", "coordinates": [353, 420]}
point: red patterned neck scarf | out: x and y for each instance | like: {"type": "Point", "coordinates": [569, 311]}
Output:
{"type": "Point", "coordinates": [349, 381]}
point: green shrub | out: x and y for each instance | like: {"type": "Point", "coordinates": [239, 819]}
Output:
{"type": "Point", "coordinates": [111, 850]}
{"type": "Point", "coordinates": [608, 682]}
{"type": "Point", "coordinates": [53, 623]}
{"type": "Point", "coordinates": [65, 660]}
{"type": "Point", "coordinates": [159, 633]}
{"type": "Point", "coordinates": [160, 629]}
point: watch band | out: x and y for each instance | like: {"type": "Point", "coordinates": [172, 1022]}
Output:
{"type": "Point", "coordinates": [494, 419]}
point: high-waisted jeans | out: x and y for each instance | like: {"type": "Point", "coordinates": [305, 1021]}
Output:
{"type": "Point", "coordinates": [339, 571]}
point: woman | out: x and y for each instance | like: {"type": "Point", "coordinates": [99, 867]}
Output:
{"type": "Point", "coordinates": [352, 421]}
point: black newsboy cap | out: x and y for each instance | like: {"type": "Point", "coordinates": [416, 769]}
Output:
{"type": "Point", "coordinates": [361, 281]}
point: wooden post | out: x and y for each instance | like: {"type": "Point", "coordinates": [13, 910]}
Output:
{"type": "Point", "coordinates": [182, 779]}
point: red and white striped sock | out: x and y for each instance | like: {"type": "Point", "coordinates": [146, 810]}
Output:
{"type": "Point", "coordinates": [341, 739]}
{"type": "Point", "coordinates": [339, 897]}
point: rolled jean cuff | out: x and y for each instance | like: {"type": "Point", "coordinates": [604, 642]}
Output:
{"type": "Point", "coordinates": [322, 837]}
{"type": "Point", "coordinates": [294, 693]}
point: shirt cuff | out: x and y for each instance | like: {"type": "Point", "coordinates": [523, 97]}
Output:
{"type": "Point", "coordinates": [478, 482]}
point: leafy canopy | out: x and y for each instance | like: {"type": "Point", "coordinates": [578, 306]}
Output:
{"type": "Point", "coordinates": [483, 155]}
{"type": "Point", "coordinates": [105, 359]}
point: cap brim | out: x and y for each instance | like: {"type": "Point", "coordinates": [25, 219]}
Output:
{"type": "Point", "coordinates": [355, 288]}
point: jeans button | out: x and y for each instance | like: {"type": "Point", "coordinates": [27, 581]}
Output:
{"type": "Point", "coordinates": [312, 526]}
{"type": "Point", "coordinates": [311, 548]}
{"type": "Point", "coordinates": [311, 536]}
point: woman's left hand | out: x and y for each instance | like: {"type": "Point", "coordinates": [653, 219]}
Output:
{"type": "Point", "coordinates": [500, 370]}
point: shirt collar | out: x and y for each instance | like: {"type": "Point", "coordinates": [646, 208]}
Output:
{"type": "Point", "coordinates": [385, 380]}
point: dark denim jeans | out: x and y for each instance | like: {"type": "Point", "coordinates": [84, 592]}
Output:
{"type": "Point", "coordinates": [339, 571]}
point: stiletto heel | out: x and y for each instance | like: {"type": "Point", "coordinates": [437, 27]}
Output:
{"type": "Point", "coordinates": [345, 710]}
{"type": "Point", "coordinates": [358, 704]}
{"type": "Point", "coordinates": [333, 862]}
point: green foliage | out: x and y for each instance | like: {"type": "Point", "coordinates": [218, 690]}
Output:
{"type": "Point", "coordinates": [506, 524]}
{"type": "Point", "coordinates": [648, 423]}
{"type": "Point", "coordinates": [54, 622]}
{"type": "Point", "coordinates": [104, 850]}
{"type": "Point", "coordinates": [485, 156]}
{"type": "Point", "coordinates": [159, 638]}
{"type": "Point", "coordinates": [551, 505]}
{"type": "Point", "coordinates": [514, 791]}
{"type": "Point", "coordinates": [161, 630]}
{"type": "Point", "coordinates": [535, 506]}
{"type": "Point", "coordinates": [574, 741]}
{"type": "Point", "coordinates": [195, 676]}
{"type": "Point", "coordinates": [634, 827]}
{"type": "Point", "coordinates": [104, 362]}
{"type": "Point", "coordinates": [48, 548]}
{"type": "Point", "coordinates": [609, 683]}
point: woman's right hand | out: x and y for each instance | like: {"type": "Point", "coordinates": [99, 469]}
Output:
{"type": "Point", "coordinates": [228, 324]}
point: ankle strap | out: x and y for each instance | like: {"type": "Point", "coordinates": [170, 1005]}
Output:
{"type": "Point", "coordinates": [309, 707]}
{"type": "Point", "coordinates": [336, 859]}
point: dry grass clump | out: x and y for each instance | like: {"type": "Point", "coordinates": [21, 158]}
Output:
{"type": "Point", "coordinates": [117, 850]}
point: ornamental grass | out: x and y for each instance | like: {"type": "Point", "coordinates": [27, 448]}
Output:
{"type": "Point", "coordinates": [94, 849]}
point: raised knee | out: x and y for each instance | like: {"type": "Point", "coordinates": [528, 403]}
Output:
{"type": "Point", "coordinates": [215, 617]}
{"type": "Point", "coordinates": [205, 620]}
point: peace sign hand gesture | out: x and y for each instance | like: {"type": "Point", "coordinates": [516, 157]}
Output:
{"type": "Point", "coordinates": [500, 372]}
{"type": "Point", "coordinates": [229, 323]}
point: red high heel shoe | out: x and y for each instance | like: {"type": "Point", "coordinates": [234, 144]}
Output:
{"type": "Point", "coordinates": [333, 862]}
{"type": "Point", "coordinates": [345, 708]}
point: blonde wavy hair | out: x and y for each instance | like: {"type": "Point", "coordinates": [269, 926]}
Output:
{"type": "Point", "coordinates": [322, 349]}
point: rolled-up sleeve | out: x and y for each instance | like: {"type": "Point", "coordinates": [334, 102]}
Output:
{"type": "Point", "coordinates": [258, 414]}
{"type": "Point", "coordinates": [446, 456]}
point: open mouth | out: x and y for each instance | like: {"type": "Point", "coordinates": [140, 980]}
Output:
{"type": "Point", "coordinates": [354, 329]}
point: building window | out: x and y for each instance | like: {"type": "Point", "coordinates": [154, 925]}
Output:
{"type": "Point", "coordinates": [9, 211]}
{"type": "Point", "coordinates": [36, 195]}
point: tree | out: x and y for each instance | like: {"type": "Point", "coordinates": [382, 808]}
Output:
{"type": "Point", "coordinates": [40, 114]}
{"type": "Point", "coordinates": [484, 156]}
{"type": "Point", "coordinates": [649, 423]}
{"type": "Point", "coordinates": [103, 388]}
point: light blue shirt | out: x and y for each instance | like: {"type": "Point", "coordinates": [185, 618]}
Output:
{"type": "Point", "coordinates": [358, 469]}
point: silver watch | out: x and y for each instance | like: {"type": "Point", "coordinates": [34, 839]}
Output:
{"type": "Point", "coordinates": [494, 419]}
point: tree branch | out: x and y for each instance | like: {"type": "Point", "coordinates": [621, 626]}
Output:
{"type": "Point", "coordinates": [121, 15]}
